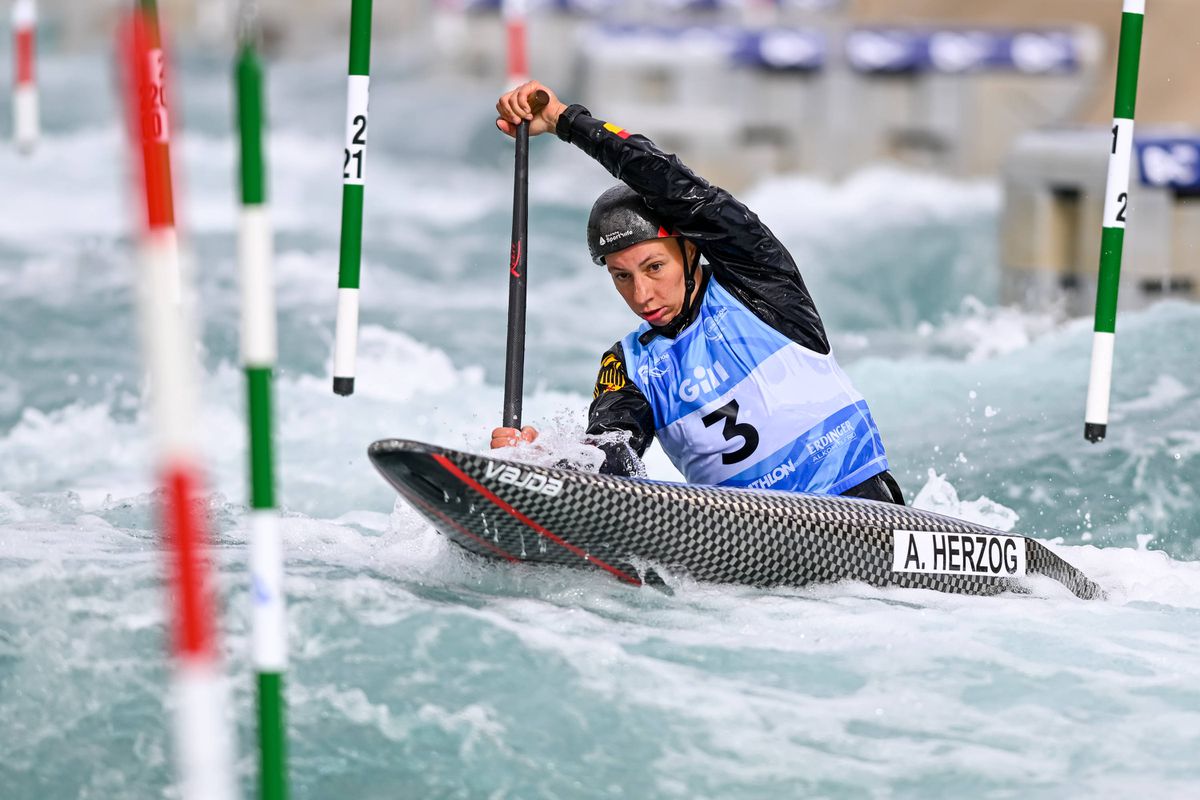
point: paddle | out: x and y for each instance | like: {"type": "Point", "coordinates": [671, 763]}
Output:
{"type": "Point", "coordinates": [514, 361]}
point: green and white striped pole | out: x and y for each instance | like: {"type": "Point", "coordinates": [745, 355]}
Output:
{"type": "Point", "coordinates": [354, 166]}
{"type": "Point", "coordinates": [1116, 207]}
{"type": "Point", "coordinates": [258, 356]}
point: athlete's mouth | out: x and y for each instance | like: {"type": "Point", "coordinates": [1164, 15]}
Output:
{"type": "Point", "coordinates": [655, 315]}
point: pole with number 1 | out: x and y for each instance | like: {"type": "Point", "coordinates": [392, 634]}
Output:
{"type": "Point", "coordinates": [354, 166]}
{"type": "Point", "coordinates": [1116, 207]}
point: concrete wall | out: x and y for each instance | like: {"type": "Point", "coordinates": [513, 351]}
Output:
{"type": "Point", "coordinates": [1054, 188]}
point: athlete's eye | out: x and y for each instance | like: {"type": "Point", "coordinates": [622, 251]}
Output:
{"type": "Point", "coordinates": [620, 276]}
{"type": "Point", "coordinates": [655, 267]}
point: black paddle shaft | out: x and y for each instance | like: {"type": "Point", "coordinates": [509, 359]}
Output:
{"type": "Point", "coordinates": [514, 361]}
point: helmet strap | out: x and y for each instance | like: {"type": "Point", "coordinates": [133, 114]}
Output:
{"type": "Point", "coordinates": [689, 277]}
{"type": "Point", "coordinates": [690, 298]}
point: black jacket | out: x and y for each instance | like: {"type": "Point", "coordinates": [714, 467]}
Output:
{"type": "Point", "coordinates": [741, 253]}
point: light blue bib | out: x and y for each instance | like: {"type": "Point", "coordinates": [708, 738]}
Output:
{"type": "Point", "coordinates": [737, 403]}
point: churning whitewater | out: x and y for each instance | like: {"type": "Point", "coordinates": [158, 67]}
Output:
{"type": "Point", "coordinates": [418, 671]}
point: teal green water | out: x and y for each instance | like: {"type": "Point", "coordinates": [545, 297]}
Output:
{"type": "Point", "coordinates": [416, 671]}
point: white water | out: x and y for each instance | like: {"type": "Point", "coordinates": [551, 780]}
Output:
{"type": "Point", "coordinates": [418, 671]}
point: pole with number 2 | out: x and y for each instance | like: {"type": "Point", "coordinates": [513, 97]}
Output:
{"type": "Point", "coordinates": [203, 734]}
{"type": "Point", "coordinates": [354, 159]}
{"type": "Point", "coordinates": [1116, 207]}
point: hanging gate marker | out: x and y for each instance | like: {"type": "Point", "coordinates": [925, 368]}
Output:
{"type": "Point", "coordinates": [353, 183]}
{"type": "Point", "coordinates": [203, 739]}
{"type": "Point", "coordinates": [1116, 206]}
{"type": "Point", "coordinates": [26, 125]}
{"type": "Point", "coordinates": [515, 18]}
{"type": "Point", "coordinates": [259, 350]}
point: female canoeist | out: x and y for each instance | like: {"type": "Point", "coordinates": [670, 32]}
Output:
{"type": "Point", "coordinates": [731, 366]}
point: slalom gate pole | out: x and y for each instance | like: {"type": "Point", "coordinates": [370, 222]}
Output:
{"type": "Point", "coordinates": [1116, 206]}
{"type": "Point", "coordinates": [203, 739]}
{"type": "Point", "coordinates": [515, 18]}
{"type": "Point", "coordinates": [156, 127]}
{"type": "Point", "coordinates": [26, 124]}
{"type": "Point", "coordinates": [514, 361]}
{"type": "Point", "coordinates": [259, 346]}
{"type": "Point", "coordinates": [354, 166]}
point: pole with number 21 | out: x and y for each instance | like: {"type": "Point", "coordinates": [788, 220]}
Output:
{"type": "Point", "coordinates": [354, 159]}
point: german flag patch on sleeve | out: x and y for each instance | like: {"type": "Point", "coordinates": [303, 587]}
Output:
{"type": "Point", "coordinates": [612, 375]}
{"type": "Point", "coordinates": [617, 130]}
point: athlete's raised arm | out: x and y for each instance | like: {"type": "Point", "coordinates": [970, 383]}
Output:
{"type": "Point", "coordinates": [741, 251]}
{"type": "Point", "coordinates": [706, 214]}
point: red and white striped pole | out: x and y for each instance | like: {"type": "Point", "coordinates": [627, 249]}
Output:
{"type": "Point", "coordinates": [203, 740]}
{"type": "Point", "coordinates": [26, 126]}
{"type": "Point", "coordinates": [515, 17]}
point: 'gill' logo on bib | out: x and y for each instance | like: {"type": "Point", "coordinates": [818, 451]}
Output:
{"type": "Point", "coordinates": [705, 380]}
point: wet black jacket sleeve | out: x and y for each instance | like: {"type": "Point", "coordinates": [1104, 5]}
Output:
{"type": "Point", "coordinates": [745, 257]}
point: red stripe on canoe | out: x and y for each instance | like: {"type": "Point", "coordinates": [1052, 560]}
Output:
{"type": "Point", "coordinates": [483, 490]}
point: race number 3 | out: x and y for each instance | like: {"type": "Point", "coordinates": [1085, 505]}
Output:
{"type": "Point", "coordinates": [355, 155]}
{"type": "Point", "coordinates": [732, 430]}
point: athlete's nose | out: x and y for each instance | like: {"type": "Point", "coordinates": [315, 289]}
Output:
{"type": "Point", "coordinates": [643, 290]}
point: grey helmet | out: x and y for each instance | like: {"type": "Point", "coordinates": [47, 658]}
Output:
{"type": "Point", "coordinates": [620, 218]}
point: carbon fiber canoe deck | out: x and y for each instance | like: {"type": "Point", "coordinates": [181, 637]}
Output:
{"type": "Point", "coordinates": [520, 512]}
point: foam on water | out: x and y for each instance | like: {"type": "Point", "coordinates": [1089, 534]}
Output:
{"type": "Point", "coordinates": [417, 670]}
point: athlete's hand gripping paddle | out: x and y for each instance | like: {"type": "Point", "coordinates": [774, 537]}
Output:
{"type": "Point", "coordinates": [514, 362]}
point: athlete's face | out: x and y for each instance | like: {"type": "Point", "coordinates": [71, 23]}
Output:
{"type": "Point", "coordinates": [649, 277]}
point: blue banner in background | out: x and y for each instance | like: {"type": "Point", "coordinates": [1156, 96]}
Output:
{"type": "Point", "coordinates": [793, 49]}
{"type": "Point", "coordinates": [885, 50]}
{"type": "Point", "coordinates": [774, 48]}
{"type": "Point", "coordinates": [668, 42]}
{"type": "Point", "coordinates": [900, 50]}
{"type": "Point", "coordinates": [873, 50]}
{"type": "Point", "coordinates": [781, 49]}
{"type": "Point", "coordinates": [1169, 162]}
{"type": "Point", "coordinates": [867, 50]}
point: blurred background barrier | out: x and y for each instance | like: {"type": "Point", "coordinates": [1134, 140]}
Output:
{"type": "Point", "coordinates": [752, 88]}
{"type": "Point", "coordinates": [1054, 195]}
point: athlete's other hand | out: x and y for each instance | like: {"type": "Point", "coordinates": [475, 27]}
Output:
{"type": "Point", "coordinates": [511, 437]}
{"type": "Point", "coordinates": [513, 108]}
